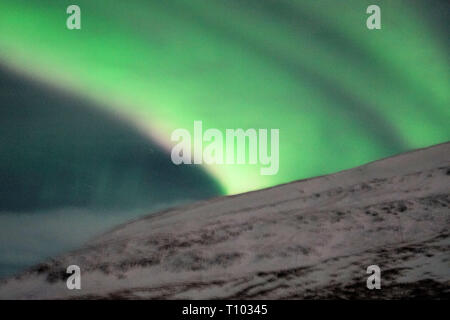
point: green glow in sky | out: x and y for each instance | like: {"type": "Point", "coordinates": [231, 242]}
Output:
{"type": "Point", "coordinates": [340, 94]}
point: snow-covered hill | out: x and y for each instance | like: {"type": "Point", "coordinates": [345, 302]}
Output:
{"type": "Point", "coordinates": [307, 239]}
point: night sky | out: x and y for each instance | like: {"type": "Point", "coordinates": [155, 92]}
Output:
{"type": "Point", "coordinates": [87, 115]}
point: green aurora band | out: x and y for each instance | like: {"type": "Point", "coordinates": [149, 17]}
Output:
{"type": "Point", "coordinates": [340, 94]}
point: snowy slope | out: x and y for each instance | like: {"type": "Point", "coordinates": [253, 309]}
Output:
{"type": "Point", "coordinates": [307, 239]}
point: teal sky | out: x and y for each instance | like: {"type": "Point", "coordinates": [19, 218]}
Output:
{"type": "Point", "coordinates": [340, 94]}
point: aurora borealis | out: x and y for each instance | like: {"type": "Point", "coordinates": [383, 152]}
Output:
{"type": "Point", "coordinates": [341, 95]}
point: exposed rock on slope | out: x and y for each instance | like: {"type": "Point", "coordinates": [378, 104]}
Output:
{"type": "Point", "coordinates": [307, 239]}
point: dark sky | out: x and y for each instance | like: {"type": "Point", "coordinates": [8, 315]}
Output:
{"type": "Point", "coordinates": [60, 156]}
